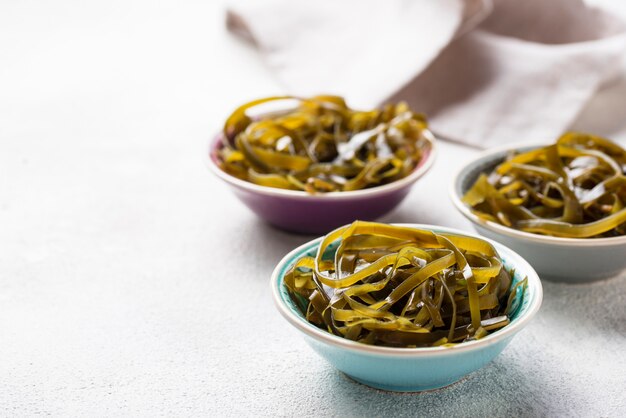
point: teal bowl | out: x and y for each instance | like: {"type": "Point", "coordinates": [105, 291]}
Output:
{"type": "Point", "coordinates": [409, 369]}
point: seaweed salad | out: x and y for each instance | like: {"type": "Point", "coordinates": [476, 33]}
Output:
{"type": "Point", "coordinates": [321, 145]}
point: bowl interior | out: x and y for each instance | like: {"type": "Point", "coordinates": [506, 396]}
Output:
{"type": "Point", "coordinates": [522, 304]}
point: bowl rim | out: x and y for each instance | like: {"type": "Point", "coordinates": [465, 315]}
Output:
{"type": "Point", "coordinates": [491, 154]}
{"type": "Point", "coordinates": [534, 284]}
{"type": "Point", "coordinates": [421, 169]}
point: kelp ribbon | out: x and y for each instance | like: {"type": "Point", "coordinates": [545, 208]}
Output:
{"type": "Point", "coordinates": [403, 287]}
{"type": "Point", "coordinates": [575, 188]}
{"type": "Point", "coordinates": [321, 145]}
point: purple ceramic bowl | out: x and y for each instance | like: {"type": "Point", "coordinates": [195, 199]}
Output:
{"type": "Point", "coordinates": [298, 211]}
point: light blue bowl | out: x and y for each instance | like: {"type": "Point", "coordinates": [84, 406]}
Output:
{"type": "Point", "coordinates": [409, 369]}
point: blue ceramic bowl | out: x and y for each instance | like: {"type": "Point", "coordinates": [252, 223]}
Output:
{"type": "Point", "coordinates": [409, 369]}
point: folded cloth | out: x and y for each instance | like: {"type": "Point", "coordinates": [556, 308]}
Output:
{"type": "Point", "coordinates": [364, 50]}
{"type": "Point", "coordinates": [524, 73]}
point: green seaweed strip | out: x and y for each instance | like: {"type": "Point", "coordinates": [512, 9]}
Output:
{"type": "Point", "coordinates": [321, 145]}
{"type": "Point", "coordinates": [403, 287]}
{"type": "Point", "coordinates": [575, 188]}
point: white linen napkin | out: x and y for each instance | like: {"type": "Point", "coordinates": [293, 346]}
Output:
{"type": "Point", "coordinates": [364, 50]}
{"type": "Point", "coordinates": [524, 73]}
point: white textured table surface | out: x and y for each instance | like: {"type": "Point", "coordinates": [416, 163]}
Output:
{"type": "Point", "coordinates": [120, 289]}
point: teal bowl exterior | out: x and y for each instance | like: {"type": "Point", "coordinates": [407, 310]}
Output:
{"type": "Point", "coordinates": [409, 369]}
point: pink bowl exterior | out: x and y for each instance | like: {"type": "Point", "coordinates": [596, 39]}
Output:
{"type": "Point", "coordinates": [317, 214]}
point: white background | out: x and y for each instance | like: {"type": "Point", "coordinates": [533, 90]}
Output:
{"type": "Point", "coordinates": [133, 283]}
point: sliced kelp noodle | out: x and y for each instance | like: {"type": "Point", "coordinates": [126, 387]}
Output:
{"type": "Point", "coordinates": [403, 287]}
{"type": "Point", "coordinates": [575, 188]}
{"type": "Point", "coordinates": [321, 145]}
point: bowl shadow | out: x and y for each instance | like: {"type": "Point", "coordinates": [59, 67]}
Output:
{"type": "Point", "coordinates": [597, 306]}
{"type": "Point", "coordinates": [492, 391]}
{"type": "Point", "coordinates": [266, 243]}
